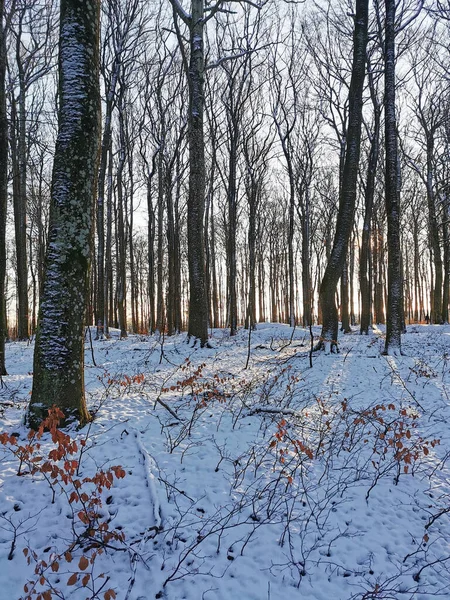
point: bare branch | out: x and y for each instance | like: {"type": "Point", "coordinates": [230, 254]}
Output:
{"type": "Point", "coordinates": [410, 19]}
{"type": "Point", "coordinates": [184, 16]}
{"type": "Point", "coordinates": [213, 9]}
{"type": "Point", "coordinates": [225, 59]}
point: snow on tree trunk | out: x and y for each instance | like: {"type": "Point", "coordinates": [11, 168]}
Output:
{"type": "Point", "coordinates": [347, 194]}
{"type": "Point", "coordinates": [59, 351]}
{"type": "Point", "coordinates": [3, 189]}
{"type": "Point", "coordinates": [394, 315]}
{"type": "Point", "coordinates": [198, 304]}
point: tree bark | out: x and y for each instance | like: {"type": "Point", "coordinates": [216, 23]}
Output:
{"type": "Point", "coordinates": [369, 194]}
{"type": "Point", "coordinates": [436, 304]}
{"type": "Point", "coordinates": [446, 238]}
{"type": "Point", "coordinates": [198, 304]}
{"type": "Point", "coordinates": [59, 349]}
{"type": "Point", "coordinates": [392, 193]}
{"type": "Point", "coordinates": [20, 194]}
{"type": "Point", "coordinates": [233, 131]}
{"type": "Point", "coordinates": [106, 149]}
{"type": "Point", "coordinates": [345, 296]}
{"type": "Point", "coordinates": [3, 189]}
{"type": "Point", "coordinates": [347, 193]}
{"type": "Point", "coordinates": [306, 261]}
{"type": "Point", "coordinates": [121, 225]}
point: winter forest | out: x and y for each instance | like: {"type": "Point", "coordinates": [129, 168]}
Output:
{"type": "Point", "coordinates": [224, 299]}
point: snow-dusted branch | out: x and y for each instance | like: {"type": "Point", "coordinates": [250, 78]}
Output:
{"type": "Point", "coordinates": [218, 7]}
{"type": "Point", "coordinates": [184, 16]}
{"type": "Point", "coordinates": [224, 59]}
{"type": "Point", "coordinates": [411, 18]}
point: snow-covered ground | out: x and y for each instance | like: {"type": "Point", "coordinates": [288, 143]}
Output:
{"type": "Point", "coordinates": [268, 482]}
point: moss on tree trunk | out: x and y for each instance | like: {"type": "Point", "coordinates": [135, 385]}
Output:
{"type": "Point", "coordinates": [59, 350]}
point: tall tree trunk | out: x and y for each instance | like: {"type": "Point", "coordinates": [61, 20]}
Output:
{"type": "Point", "coordinates": [198, 302]}
{"type": "Point", "coordinates": [306, 266]}
{"type": "Point", "coordinates": [351, 277]}
{"type": "Point", "coordinates": [446, 238]}
{"type": "Point", "coordinates": [369, 194]}
{"type": "Point", "coordinates": [178, 318]}
{"type": "Point", "coordinates": [171, 258]}
{"type": "Point", "coordinates": [102, 290]}
{"type": "Point", "coordinates": [436, 303]}
{"type": "Point", "coordinates": [213, 267]}
{"type": "Point", "coordinates": [108, 289]}
{"type": "Point", "coordinates": [347, 193]}
{"type": "Point", "coordinates": [59, 349]}
{"type": "Point", "coordinates": [291, 263]}
{"type": "Point", "coordinates": [392, 193]}
{"type": "Point", "coordinates": [231, 227]}
{"type": "Point", "coordinates": [121, 233]}
{"type": "Point", "coordinates": [3, 188]}
{"type": "Point", "coordinates": [133, 278]}
{"type": "Point", "coordinates": [378, 273]}
{"type": "Point", "coordinates": [20, 227]}
{"type": "Point", "coordinates": [345, 296]}
{"type": "Point", "coordinates": [261, 288]}
{"type": "Point", "coordinates": [160, 312]}
{"type": "Point", "coordinates": [20, 196]}
{"type": "Point", "coordinates": [416, 268]}
{"type": "Point", "coordinates": [252, 195]}
{"type": "Point", "coordinates": [151, 233]}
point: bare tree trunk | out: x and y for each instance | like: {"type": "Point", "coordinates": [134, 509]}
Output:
{"type": "Point", "coordinates": [261, 289]}
{"type": "Point", "coordinates": [171, 260]}
{"type": "Point", "coordinates": [345, 297]}
{"type": "Point", "coordinates": [212, 264]}
{"type": "Point", "coordinates": [378, 275]}
{"type": "Point", "coordinates": [151, 256]}
{"type": "Point", "coordinates": [178, 318]}
{"type": "Point", "coordinates": [446, 238]}
{"type": "Point", "coordinates": [252, 198]}
{"type": "Point", "coordinates": [351, 276]}
{"type": "Point", "coordinates": [231, 226]}
{"type": "Point", "coordinates": [369, 194]}
{"type": "Point", "coordinates": [20, 198]}
{"type": "Point", "coordinates": [102, 289]}
{"type": "Point", "coordinates": [306, 262]}
{"type": "Point", "coordinates": [59, 349]}
{"type": "Point", "coordinates": [3, 189]}
{"type": "Point", "coordinates": [133, 278]}
{"type": "Point", "coordinates": [108, 289]}
{"type": "Point", "coordinates": [151, 233]}
{"type": "Point", "coordinates": [160, 312]}
{"type": "Point", "coordinates": [198, 302]}
{"type": "Point", "coordinates": [20, 227]}
{"type": "Point", "coordinates": [291, 263]}
{"type": "Point", "coordinates": [436, 303]}
{"type": "Point", "coordinates": [347, 194]}
{"type": "Point", "coordinates": [121, 231]}
{"type": "Point", "coordinates": [392, 192]}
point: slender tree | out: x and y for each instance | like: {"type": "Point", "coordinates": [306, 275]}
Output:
{"type": "Point", "coordinates": [200, 14]}
{"type": "Point", "coordinates": [3, 188]}
{"type": "Point", "coordinates": [347, 193]}
{"type": "Point", "coordinates": [59, 350]}
{"type": "Point", "coordinates": [198, 302]}
{"type": "Point", "coordinates": [365, 282]}
{"type": "Point", "coordinates": [394, 316]}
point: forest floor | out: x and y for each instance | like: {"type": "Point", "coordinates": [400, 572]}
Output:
{"type": "Point", "coordinates": [274, 481]}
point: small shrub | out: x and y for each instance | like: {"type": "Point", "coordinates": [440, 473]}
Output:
{"type": "Point", "coordinates": [91, 533]}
